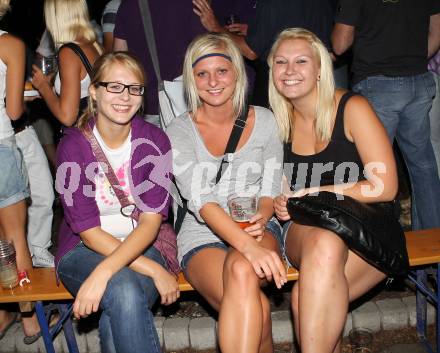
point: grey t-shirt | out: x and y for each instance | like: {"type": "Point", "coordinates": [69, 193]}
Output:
{"type": "Point", "coordinates": [256, 168]}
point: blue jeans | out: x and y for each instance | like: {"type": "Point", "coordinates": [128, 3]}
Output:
{"type": "Point", "coordinates": [127, 323]}
{"type": "Point", "coordinates": [403, 104]}
{"type": "Point", "coordinates": [434, 116]}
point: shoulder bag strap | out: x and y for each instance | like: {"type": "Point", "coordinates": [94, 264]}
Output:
{"type": "Point", "coordinates": [149, 35]}
{"type": "Point", "coordinates": [108, 170]}
{"type": "Point", "coordinates": [78, 51]}
{"type": "Point", "coordinates": [234, 138]}
{"type": "Point", "coordinates": [231, 146]}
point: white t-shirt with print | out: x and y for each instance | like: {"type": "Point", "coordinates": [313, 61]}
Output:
{"type": "Point", "coordinates": [112, 221]}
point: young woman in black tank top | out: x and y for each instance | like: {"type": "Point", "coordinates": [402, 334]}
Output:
{"type": "Point", "coordinates": [331, 138]}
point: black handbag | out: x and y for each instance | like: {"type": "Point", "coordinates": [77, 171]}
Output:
{"type": "Point", "coordinates": [371, 230]}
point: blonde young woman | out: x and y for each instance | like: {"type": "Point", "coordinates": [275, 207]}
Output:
{"type": "Point", "coordinates": [324, 130]}
{"type": "Point", "coordinates": [13, 179]}
{"type": "Point", "coordinates": [67, 21]}
{"type": "Point", "coordinates": [225, 263]}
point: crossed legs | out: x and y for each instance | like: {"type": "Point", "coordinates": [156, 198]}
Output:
{"type": "Point", "coordinates": [228, 282]}
{"type": "Point", "coordinates": [331, 276]}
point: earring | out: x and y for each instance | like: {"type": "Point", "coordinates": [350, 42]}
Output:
{"type": "Point", "coordinates": [319, 77]}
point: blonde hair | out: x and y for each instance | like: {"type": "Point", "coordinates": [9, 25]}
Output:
{"type": "Point", "coordinates": [101, 68]}
{"type": "Point", "coordinates": [4, 7]}
{"type": "Point", "coordinates": [68, 21]}
{"type": "Point", "coordinates": [283, 108]}
{"type": "Point", "coordinates": [207, 44]}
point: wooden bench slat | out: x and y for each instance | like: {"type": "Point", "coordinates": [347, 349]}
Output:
{"type": "Point", "coordinates": [292, 275]}
{"type": "Point", "coordinates": [184, 286]}
{"type": "Point", "coordinates": [43, 286]}
{"type": "Point", "coordinates": [423, 246]}
{"type": "Point", "coordinates": [423, 249]}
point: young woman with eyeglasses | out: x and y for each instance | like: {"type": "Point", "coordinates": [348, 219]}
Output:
{"type": "Point", "coordinates": [104, 258]}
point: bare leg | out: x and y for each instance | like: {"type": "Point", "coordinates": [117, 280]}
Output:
{"type": "Point", "coordinates": [323, 303]}
{"type": "Point", "coordinates": [245, 311]}
{"type": "Point", "coordinates": [13, 228]}
{"type": "Point", "coordinates": [6, 318]}
{"type": "Point", "coordinates": [228, 282]}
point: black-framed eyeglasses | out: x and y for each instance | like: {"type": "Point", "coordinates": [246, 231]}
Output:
{"type": "Point", "coordinates": [117, 87]}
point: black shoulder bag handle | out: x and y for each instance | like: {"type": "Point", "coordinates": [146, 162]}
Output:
{"type": "Point", "coordinates": [231, 146]}
{"type": "Point", "coordinates": [78, 51]}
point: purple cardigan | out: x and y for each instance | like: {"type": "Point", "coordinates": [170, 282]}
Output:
{"type": "Point", "coordinates": [151, 173]}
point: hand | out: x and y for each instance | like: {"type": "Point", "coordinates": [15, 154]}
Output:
{"type": "Point", "coordinates": [238, 28]}
{"type": "Point", "coordinates": [258, 226]}
{"type": "Point", "coordinates": [167, 286]}
{"type": "Point", "coordinates": [39, 79]}
{"type": "Point", "coordinates": [266, 263]}
{"type": "Point", "coordinates": [280, 206]}
{"type": "Point", "coordinates": [207, 16]}
{"type": "Point", "coordinates": [90, 294]}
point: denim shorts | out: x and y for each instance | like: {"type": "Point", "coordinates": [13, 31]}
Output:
{"type": "Point", "coordinates": [280, 233]}
{"type": "Point", "coordinates": [14, 184]}
{"type": "Point", "coordinates": [272, 226]}
{"type": "Point", "coordinates": [192, 252]}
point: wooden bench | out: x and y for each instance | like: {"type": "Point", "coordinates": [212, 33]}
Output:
{"type": "Point", "coordinates": [423, 249]}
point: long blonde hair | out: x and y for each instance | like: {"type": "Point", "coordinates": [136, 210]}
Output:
{"type": "Point", "coordinates": [4, 7]}
{"type": "Point", "coordinates": [68, 21]}
{"type": "Point", "coordinates": [283, 108]}
{"type": "Point", "coordinates": [207, 44]}
{"type": "Point", "coordinates": [100, 68]}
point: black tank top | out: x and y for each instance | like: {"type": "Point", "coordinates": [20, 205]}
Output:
{"type": "Point", "coordinates": [338, 163]}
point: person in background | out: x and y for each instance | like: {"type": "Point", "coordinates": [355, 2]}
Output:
{"type": "Point", "coordinates": [223, 262]}
{"type": "Point", "coordinates": [13, 179]}
{"type": "Point", "coordinates": [175, 18]}
{"type": "Point", "coordinates": [271, 17]}
{"type": "Point", "coordinates": [434, 113]}
{"type": "Point", "coordinates": [324, 126]}
{"type": "Point", "coordinates": [104, 258]}
{"type": "Point", "coordinates": [235, 16]}
{"type": "Point", "coordinates": [39, 212]}
{"type": "Point", "coordinates": [67, 21]}
{"type": "Point", "coordinates": [108, 24]}
{"type": "Point", "coordinates": [392, 41]}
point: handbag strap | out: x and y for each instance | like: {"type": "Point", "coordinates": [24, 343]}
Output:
{"type": "Point", "coordinates": [149, 34]}
{"type": "Point", "coordinates": [106, 167]}
{"type": "Point", "coordinates": [78, 51]}
{"type": "Point", "coordinates": [231, 146]}
{"type": "Point", "coordinates": [234, 138]}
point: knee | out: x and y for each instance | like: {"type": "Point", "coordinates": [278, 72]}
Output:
{"type": "Point", "coordinates": [240, 271]}
{"type": "Point", "coordinates": [326, 250]}
{"type": "Point", "coordinates": [123, 293]}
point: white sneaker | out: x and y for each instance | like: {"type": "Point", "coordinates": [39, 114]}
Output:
{"type": "Point", "coordinates": [43, 258]}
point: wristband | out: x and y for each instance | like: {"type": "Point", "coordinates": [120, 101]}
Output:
{"type": "Point", "coordinates": [23, 278]}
